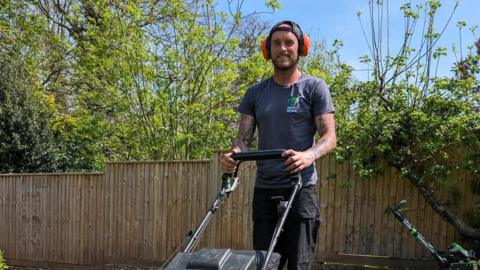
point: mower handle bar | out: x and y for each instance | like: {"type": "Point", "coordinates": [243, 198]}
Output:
{"type": "Point", "coordinates": [259, 155]}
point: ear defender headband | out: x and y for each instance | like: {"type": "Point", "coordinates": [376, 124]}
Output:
{"type": "Point", "coordinates": [303, 39]}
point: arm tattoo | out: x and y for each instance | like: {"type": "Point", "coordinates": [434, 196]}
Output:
{"type": "Point", "coordinates": [327, 140]}
{"type": "Point", "coordinates": [245, 132]}
{"type": "Point", "coordinates": [321, 127]}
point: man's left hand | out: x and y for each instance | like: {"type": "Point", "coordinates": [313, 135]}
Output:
{"type": "Point", "coordinates": [297, 161]}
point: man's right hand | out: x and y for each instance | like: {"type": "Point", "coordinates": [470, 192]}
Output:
{"type": "Point", "coordinates": [228, 163]}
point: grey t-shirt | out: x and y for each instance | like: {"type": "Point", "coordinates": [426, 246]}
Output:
{"type": "Point", "coordinates": [285, 117]}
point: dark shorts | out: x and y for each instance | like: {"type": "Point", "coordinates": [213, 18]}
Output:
{"type": "Point", "coordinates": [298, 239]}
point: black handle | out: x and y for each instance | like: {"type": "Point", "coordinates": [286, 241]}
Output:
{"type": "Point", "coordinates": [259, 155]}
{"type": "Point", "coordinates": [401, 204]}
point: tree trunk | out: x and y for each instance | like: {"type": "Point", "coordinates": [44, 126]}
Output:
{"type": "Point", "coordinates": [462, 228]}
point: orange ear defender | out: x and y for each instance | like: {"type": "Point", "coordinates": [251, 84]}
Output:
{"type": "Point", "coordinates": [303, 39]}
{"type": "Point", "coordinates": [265, 52]}
{"type": "Point", "coordinates": [306, 45]}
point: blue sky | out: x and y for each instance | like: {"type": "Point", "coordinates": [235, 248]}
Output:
{"type": "Point", "coordinates": [336, 19]}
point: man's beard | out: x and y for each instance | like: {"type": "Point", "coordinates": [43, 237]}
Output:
{"type": "Point", "coordinates": [285, 68]}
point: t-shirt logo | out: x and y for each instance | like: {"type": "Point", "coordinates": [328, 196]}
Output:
{"type": "Point", "coordinates": [292, 104]}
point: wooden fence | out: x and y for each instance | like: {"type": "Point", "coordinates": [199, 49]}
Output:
{"type": "Point", "coordinates": [139, 212]}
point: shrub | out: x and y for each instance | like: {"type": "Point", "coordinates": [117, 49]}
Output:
{"type": "Point", "coordinates": [3, 265]}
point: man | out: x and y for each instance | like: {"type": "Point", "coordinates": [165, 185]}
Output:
{"type": "Point", "coordinates": [288, 108]}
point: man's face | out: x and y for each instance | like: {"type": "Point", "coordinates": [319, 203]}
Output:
{"type": "Point", "coordinates": [284, 49]}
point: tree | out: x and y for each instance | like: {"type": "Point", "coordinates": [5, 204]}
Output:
{"type": "Point", "coordinates": [139, 79]}
{"type": "Point", "coordinates": [27, 142]}
{"type": "Point", "coordinates": [423, 125]}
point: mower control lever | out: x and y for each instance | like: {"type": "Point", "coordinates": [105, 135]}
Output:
{"type": "Point", "coordinates": [259, 155]}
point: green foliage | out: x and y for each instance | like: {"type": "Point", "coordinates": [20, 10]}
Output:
{"type": "Point", "coordinates": [425, 126]}
{"type": "Point", "coordinates": [138, 79]}
{"type": "Point", "coordinates": [332, 176]}
{"type": "Point", "coordinates": [404, 127]}
{"type": "Point", "coordinates": [28, 143]}
{"type": "Point", "coordinates": [273, 4]}
{"type": "Point", "coordinates": [3, 264]}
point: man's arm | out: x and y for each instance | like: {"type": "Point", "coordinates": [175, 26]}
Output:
{"type": "Point", "coordinates": [328, 138]}
{"type": "Point", "coordinates": [246, 130]}
{"type": "Point", "coordinates": [244, 138]}
{"type": "Point", "coordinates": [298, 161]}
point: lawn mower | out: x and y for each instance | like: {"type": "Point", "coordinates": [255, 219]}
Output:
{"type": "Point", "coordinates": [208, 258]}
{"type": "Point", "coordinates": [455, 258]}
